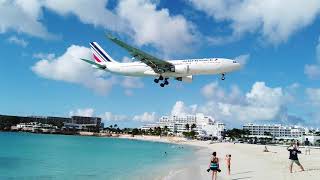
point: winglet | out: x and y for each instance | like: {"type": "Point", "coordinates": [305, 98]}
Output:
{"type": "Point", "coordinates": [111, 37]}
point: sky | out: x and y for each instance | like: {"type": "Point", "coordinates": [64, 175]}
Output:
{"type": "Point", "coordinates": [278, 43]}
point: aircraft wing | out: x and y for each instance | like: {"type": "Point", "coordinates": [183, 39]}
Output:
{"type": "Point", "coordinates": [158, 65]}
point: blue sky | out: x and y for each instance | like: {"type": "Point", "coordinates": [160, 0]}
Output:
{"type": "Point", "coordinates": [279, 41]}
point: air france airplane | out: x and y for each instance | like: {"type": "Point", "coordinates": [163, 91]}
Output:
{"type": "Point", "coordinates": [148, 65]}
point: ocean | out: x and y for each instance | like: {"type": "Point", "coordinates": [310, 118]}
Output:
{"type": "Point", "coordinates": [30, 156]}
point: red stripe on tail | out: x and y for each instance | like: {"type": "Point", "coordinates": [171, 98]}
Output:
{"type": "Point", "coordinates": [96, 58]}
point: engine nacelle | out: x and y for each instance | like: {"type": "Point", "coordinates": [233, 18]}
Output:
{"type": "Point", "coordinates": [185, 79]}
{"type": "Point", "coordinates": [181, 69]}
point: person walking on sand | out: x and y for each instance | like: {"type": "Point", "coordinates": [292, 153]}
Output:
{"type": "Point", "coordinates": [214, 165]}
{"type": "Point", "coordinates": [293, 156]}
{"type": "Point", "coordinates": [228, 161]}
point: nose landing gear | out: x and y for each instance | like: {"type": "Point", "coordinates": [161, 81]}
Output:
{"type": "Point", "coordinates": [223, 76]}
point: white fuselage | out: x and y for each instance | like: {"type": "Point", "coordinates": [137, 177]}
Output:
{"type": "Point", "coordinates": [182, 67]}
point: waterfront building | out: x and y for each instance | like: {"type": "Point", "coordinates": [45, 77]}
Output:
{"type": "Point", "coordinates": [275, 130]}
{"type": "Point", "coordinates": [35, 127]}
{"type": "Point", "coordinates": [27, 122]}
{"type": "Point", "coordinates": [83, 123]}
{"type": "Point", "coordinates": [205, 126]}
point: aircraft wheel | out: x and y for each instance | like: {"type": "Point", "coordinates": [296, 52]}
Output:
{"type": "Point", "coordinates": [162, 85]}
{"type": "Point", "coordinates": [161, 78]}
{"type": "Point", "coordinates": [223, 77]}
{"type": "Point", "coordinates": [166, 82]}
{"type": "Point", "coordinates": [156, 80]}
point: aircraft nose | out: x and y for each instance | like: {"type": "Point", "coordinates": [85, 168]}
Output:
{"type": "Point", "coordinates": [235, 65]}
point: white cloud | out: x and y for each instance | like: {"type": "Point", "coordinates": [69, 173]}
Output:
{"type": "Point", "coordinates": [314, 96]}
{"type": "Point", "coordinates": [140, 19]}
{"type": "Point", "coordinates": [243, 59]}
{"type": "Point", "coordinates": [150, 25]}
{"type": "Point", "coordinates": [146, 117]}
{"type": "Point", "coordinates": [109, 116]}
{"type": "Point", "coordinates": [234, 107]}
{"type": "Point", "coordinates": [87, 112]}
{"type": "Point", "coordinates": [18, 41]}
{"type": "Point", "coordinates": [313, 70]}
{"type": "Point", "coordinates": [262, 95]}
{"type": "Point", "coordinates": [70, 68]}
{"type": "Point", "coordinates": [132, 82]}
{"type": "Point", "coordinates": [88, 12]}
{"type": "Point", "coordinates": [49, 56]}
{"type": "Point", "coordinates": [212, 90]}
{"type": "Point", "coordinates": [180, 109]}
{"type": "Point", "coordinates": [22, 17]}
{"type": "Point", "coordinates": [274, 20]}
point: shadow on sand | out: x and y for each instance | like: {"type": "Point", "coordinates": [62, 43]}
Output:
{"type": "Point", "coordinates": [241, 178]}
{"type": "Point", "coordinates": [242, 172]}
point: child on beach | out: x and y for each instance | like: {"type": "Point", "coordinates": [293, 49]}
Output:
{"type": "Point", "coordinates": [228, 161]}
{"type": "Point", "coordinates": [214, 165]}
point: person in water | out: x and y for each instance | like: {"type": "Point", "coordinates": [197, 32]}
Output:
{"type": "Point", "coordinates": [214, 165]}
{"type": "Point", "coordinates": [293, 156]}
{"type": "Point", "coordinates": [228, 161]}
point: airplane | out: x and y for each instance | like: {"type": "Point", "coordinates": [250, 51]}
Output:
{"type": "Point", "coordinates": [162, 70]}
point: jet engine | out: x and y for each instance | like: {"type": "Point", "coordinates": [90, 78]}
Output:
{"type": "Point", "coordinates": [181, 69]}
{"type": "Point", "coordinates": [185, 79]}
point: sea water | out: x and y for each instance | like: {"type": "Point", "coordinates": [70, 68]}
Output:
{"type": "Point", "coordinates": [39, 156]}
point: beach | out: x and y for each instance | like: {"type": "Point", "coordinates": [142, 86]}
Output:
{"type": "Point", "coordinates": [248, 161]}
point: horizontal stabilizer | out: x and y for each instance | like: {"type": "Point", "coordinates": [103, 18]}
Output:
{"type": "Point", "coordinates": [94, 63]}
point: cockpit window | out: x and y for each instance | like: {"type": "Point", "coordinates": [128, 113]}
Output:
{"type": "Point", "coordinates": [234, 61]}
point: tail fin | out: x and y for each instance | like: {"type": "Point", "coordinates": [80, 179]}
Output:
{"type": "Point", "coordinates": [99, 55]}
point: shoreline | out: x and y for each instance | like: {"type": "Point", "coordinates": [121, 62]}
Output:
{"type": "Point", "coordinates": [248, 160]}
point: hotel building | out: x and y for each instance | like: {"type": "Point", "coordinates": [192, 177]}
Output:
{"type": "Point", "coordinates": [205, 125]}
{"type": "Point", "coordinates": [276, 130]}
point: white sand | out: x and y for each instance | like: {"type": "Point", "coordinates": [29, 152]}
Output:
{"type": "Point", "coordinates": [248, 161]}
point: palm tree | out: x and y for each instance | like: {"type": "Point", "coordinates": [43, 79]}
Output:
{"type": "Point", "coordinates": [193, 126]}
{"type": "Point", "coordinates": [115, 125]}
{"type": "Point", "coordinates": [187, 127]}
{"type": "Point", "coordinates": [150, 131]}
{"type": "Point", "coordinates": [165, 129]}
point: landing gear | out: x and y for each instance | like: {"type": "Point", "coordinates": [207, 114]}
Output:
{"type": "Point", "coordinates": [166, 82]}
{"type": "Point", "coordinates": [161, 78]}
{"type": "Point", "coordinates": [223, 76]}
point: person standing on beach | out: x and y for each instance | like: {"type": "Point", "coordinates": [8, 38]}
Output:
{"type": "Point", "coordinates": [228, 161]}
{"type": "Point", "coordinates": [293, 156]}
{"type": "Point", "coordinates": [214, 165]}
{"type": "Point", "coordinates": [307, 146]}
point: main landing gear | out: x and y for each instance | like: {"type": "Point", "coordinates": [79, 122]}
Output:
{"type": "Point", "coordinates": [223, 76]}
{"type": "Point", "coordinates": [161, 78]}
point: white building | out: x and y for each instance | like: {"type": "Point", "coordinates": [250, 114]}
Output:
{"type": "Point", "coordinates": [205, 125]}
{"type": "Point", "coordinates": [276, 130]}
{"type": "Point", "coordinates": [34, 126]}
